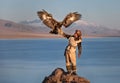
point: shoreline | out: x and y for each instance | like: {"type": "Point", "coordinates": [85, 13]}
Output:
{"type": "Point", "coordinates": [45, 37]}
{"type": "Point", "coordinates": [40, 36]}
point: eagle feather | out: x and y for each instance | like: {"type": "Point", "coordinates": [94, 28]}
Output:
{"type": "Point", "coordinates": [49, 21]}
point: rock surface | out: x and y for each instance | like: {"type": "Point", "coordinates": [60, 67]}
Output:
{"type": "Point", "coordinates": [60, 76]}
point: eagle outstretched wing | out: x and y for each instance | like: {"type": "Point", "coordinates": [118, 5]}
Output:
{"type": "Point", "coordinates": [70, 18]}
{"type": "Point", "coordinates": [47, 19]}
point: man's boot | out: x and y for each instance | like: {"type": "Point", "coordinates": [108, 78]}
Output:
{"type": "Point", "coordinates": [69, 70]}
{"type": "Point", "coordinates": [74, 70]}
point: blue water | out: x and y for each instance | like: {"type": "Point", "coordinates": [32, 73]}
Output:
{"type": "Point", "coordinates": [30, 60]}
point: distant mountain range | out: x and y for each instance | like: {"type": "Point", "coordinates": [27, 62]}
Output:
{"type": "Point", "coordinates": [37, 27]}
{"type": "Point", "coordinates": [88, 29]}
{"type": "Point", "coordinates": [10, 26]}
{"type": "Point", "coordinates": [9, 29]}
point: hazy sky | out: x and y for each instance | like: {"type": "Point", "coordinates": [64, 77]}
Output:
{"type": "Point", "coordinates": [103, 12]}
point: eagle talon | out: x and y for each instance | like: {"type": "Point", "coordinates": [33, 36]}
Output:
{"type": "Point", "coordinates": [53, 32]}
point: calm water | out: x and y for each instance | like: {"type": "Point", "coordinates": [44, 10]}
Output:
{"type": "Point", "coordinates": [30, 60]}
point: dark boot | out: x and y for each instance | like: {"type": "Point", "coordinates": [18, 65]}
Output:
{"type": "Point", "coordinates": [74, 70]}
{"type": "Point", "coordinates": [74, 73]}
{"type": "Point", "coordinates": [69, 70]}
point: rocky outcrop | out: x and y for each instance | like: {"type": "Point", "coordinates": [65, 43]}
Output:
{"type": "Point", "coordinates": [60, 76]}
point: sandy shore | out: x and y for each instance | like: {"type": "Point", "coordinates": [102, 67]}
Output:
{"type": "Point", "coordinates": [27, 35]}
{"type": "Point", "coordinates": [34, 35]}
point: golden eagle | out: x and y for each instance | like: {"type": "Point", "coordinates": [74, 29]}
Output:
{"type": "Point", "coordinates": [49, 21]}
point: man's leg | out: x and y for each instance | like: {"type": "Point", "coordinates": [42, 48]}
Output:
{"type": "Point", "coordinates": [73, 60]}
{"type": "Point", "coordinates": [68, 63]}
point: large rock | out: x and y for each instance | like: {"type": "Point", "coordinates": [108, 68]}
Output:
{"type": "Point", "coordinates": [60, 76]}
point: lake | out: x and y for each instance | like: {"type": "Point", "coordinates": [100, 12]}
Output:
{"type": "Point", "coordinates": [30, 60]}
